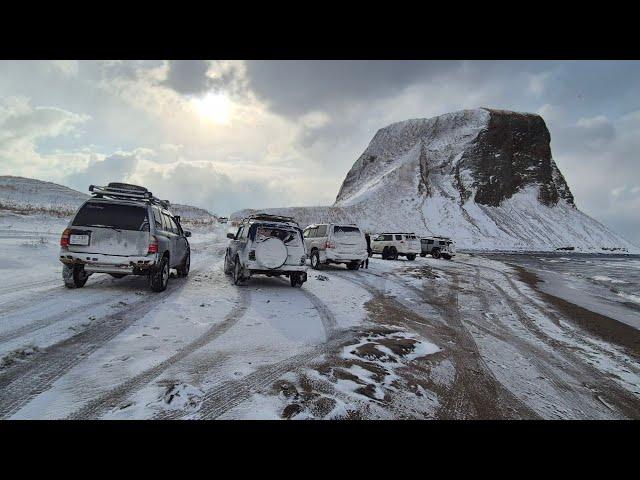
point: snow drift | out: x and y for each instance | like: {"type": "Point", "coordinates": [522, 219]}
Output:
{"type": "Point", "coordinates": [484, 177]}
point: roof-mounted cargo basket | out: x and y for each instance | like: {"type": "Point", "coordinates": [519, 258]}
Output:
{"type": "Point", "coordinates": [125, 191]}
{"type": "Point", "coordinates": [274, 218]}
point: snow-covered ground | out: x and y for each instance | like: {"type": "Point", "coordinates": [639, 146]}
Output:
{"type": "Point", "coordinates": [469, 338]}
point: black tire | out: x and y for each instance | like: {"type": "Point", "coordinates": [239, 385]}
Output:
{"type": "Point", "coordinates": [117, 275]}
{"type": "Point", "coordinates": [74, 277]}
{"type": "Point", "coordinates": [159, 276]}
{"type": "Point", "coordinates": [393, 254]}
{"type": "Point", "coordinates": [411, 257]}
{"type": "Point", "coordinates": [296, 280]}
{"type": "Point", "coordinates": [385, 253]}
{"type": "Point", "coordinates": [315, 260]}
{"type": "Point", "coordinates": [353, 265]}
{"type": "Point", "coordinates": [423, 254]}
{"type": "Point", "coordinates": [183, 269]}
{"type": "Point", "coordinates": [238, 279]}
{"type": "Point", "coordinates": [435, 253]}
{"type": "Point", "coordinates": [446, 257]}
{"type": "Point", "coordinates": [228, 266]}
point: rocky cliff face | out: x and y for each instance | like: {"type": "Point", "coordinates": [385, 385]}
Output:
{"type": "Point", "coordinates": [484, 177]}
{"type": "Point", "coordinates": [503, 152]}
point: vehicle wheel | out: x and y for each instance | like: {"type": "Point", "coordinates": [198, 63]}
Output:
{"type": "Point", "coordinates": [159, 276]}
{"type": "Point", "coordinates": [296, 280]}
{"type": "Point", "coordinates": [423, 254]}
{"type": "Point", "coordinates": [228, 266]}
{"type": "Point", "coordinates": [74, 277]}
{"type": "Point", "coordinates": [435, 253]}
{"type": "Point", "coordinates": [183, 270]}
{"type": "Point", "coordinates": [393, 254]}
{"type": "Point", "coordinates": [117, 275]}
{"type": "Point", "coordinates": [446, 257]}
{"type": "Point", "coordinates": [411, 257]}
{"type": "Point", "coordinates": [385, 253]}
{"type": "Point", "coordinates": [353, 265]}
{"type": "Point", "coordinates": [238, 279]}
{"type": "Point", "coordinates": [315, 260]}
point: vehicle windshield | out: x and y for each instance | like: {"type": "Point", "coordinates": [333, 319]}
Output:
{"type": "Point", "coordinates": [112, 215]}
{"type": "Point", "coordinates": [346, 231]}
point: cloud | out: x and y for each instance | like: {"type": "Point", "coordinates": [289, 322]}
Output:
{"type": "Point", "coordinates": [23, 126]}
{"type": "Point", "coordinates": [117, 167]}
{"type": "Point", "coordinates": [188, 77]}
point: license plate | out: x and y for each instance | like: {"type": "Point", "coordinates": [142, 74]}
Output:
{"type": "Point", "coordinates": [79, 239]}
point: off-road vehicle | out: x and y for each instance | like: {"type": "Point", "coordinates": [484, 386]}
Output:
{"type": "Point", "coordinates": [124, 230]}
{"type": "Point", "coordinates": [268, 245]}
{"type": "Point", "coordinates": [437, 247]}
{"type": "Point", "coordinates": [335, 243]}
{"type": "Point", "coordinates": [394, 245]}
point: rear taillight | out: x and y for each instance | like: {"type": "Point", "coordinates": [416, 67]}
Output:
{"type": "Point", "coordinates": [153, 246]}
{"type": "Point", "coordinates": [64, 239]}
{"type": "Point", "coordinates": [329, 245]}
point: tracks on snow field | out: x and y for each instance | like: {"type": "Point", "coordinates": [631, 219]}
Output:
{"type": "Point", "coordinates": [228, 395]}
{"type": "Point", "coordinates": [475, 392]}
{"type": "Point", "coordinates": [21, 383]}
{"type": "Point", "coordinates": [112, 399]}
{"type": "Point", "coordinates": [221, 398]}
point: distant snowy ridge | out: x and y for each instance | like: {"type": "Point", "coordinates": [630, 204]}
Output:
{"type": "Point", "coordinates": [484, 177]}
{"type": "Point", "coordinates": [30, 196]}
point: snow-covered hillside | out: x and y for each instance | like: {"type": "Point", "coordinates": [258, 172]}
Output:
{"type": "Point", "coordinates": [29, 196]}
{"type": "Point", "coordinates": [484, 177]}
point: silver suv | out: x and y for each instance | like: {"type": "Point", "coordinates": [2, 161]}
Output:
{"type": "Point", "coordinates": [124, 230]}
{"type": "Point", "coordinates": [268, 245]}
{"type": "Point", "coordinates": [335, 243]}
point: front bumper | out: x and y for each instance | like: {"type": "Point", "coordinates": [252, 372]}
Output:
{"type": "Point", "coordinates": [99, 263]}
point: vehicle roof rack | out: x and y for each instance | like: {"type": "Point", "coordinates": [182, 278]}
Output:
{"type": "Point", "coordinates": [268, 216]}
{"type": "Point", "coordinates": [125, 191]}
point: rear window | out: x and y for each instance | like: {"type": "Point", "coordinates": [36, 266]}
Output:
{"type": "Point", "coordinates": [112, 215]}
{"type": "Point", "coordinates": [289, 237]}
{"type": "Point", "coordinates": [346, 231]}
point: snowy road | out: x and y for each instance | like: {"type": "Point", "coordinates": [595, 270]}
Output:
{"type": "Point", "coordinates": [424, 339]}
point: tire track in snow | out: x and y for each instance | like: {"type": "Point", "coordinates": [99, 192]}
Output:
{"type": "Point", "coordinates": [112, 399]}
{"type": "Point", "coordinates": [475, 391]}
{"type": "Point", "coordinates": [27, 286]}
{"type": "Point", "coordinates": [232, 393]}
{"type": "Point", "coordinates": [21, 383]}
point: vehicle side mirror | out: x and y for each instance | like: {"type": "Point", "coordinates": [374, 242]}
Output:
{"type": "Point", "coordinates": [187, 233]}
{"type": "Point", "coordinates": [231, 236]}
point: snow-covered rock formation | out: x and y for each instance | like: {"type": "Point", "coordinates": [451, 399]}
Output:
{"type": "Point", "coordinates": [484, 177]}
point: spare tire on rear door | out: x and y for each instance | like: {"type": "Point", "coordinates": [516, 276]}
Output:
{"type": "Point", "coordinates": [271, 253]}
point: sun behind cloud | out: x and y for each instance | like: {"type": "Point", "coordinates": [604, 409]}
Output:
{"type": "Point", "coordinates": [213, 106]}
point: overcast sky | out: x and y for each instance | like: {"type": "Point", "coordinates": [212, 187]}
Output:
{"type": "Point", "coordinates": [228, 135]}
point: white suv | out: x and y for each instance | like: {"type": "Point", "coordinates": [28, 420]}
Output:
{"type": "Point", "coordinates": [394, 245]}
{"type": "Point", "coordinates": [335, 243]}
{"type": "Point", "coordinates": [268, 245]}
